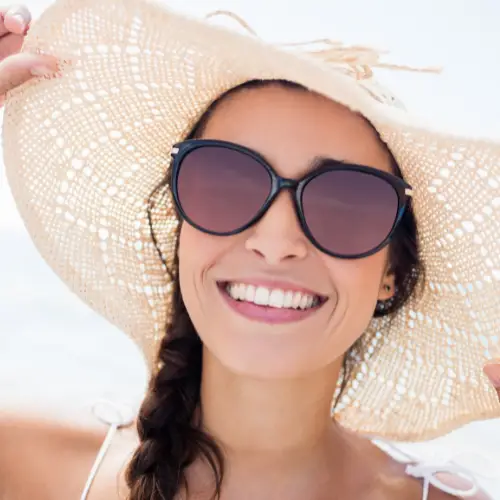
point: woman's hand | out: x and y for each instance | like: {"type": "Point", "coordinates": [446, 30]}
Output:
{"type": "Point", "coordinates": [16, 68]}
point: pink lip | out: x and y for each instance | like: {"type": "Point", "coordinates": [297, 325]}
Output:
{"type": "Point", "coordinates": [266, 314]}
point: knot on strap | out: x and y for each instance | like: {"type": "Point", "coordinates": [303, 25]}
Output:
{"type": "Point", "coordinates": [429, 473]}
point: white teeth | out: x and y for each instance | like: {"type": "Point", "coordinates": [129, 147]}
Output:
{"type": "Point", "coordinates": [250, 293]}
{"type": "Point", "coordinates": [239, 292]}
{"type": "Point", "coordinates": [276, 297]}
{"type": "Point", "coordinates": [303, 302]}
{"type": "Point", "coordinates": [261, 296]}
{"type": "Point", "coordinates": [296, 300]}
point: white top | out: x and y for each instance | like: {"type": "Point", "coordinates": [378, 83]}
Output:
{"type": "Point", "coordinates": [117, 416]}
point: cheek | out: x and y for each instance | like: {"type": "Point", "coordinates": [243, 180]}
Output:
{"type": "Point", "coordinates": [358, 285]}
{"type": "Point", "coordinates": [361, 278]}
{"type": "Point", "coordinates": [193, 264]}
{"type": "Point", "coordinates": [192, 261]}
{"type": "Point", "coordinates": [194, 268]}
{"type": "Point", "coordinates": [199, 254]}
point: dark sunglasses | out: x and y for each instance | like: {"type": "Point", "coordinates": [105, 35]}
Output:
{"type": "Point", "coordinates": [347, 211]}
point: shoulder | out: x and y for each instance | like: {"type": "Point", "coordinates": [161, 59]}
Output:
{"type": "Point", "coordinates": [457, 482]}
{"type": "Point", "coordinates": [56, 453]}
{"type": "Point", "coordinates": [30, 437]}
{"type": "Point", "coordinates": [401, 480]}
{"type": "Point", "coordinates": [397, 481]}
{"type": "Point", "coordinates": [110, 482]}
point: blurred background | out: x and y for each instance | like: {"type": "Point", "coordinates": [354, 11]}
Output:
{"type": "Point", "coordinates": [54, 351]}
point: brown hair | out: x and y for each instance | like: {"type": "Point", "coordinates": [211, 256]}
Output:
{"type": "Point", "coordinates": [170, 431]}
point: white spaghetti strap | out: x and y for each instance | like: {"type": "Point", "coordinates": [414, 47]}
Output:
{"type": "Point", "coordinates": [116, 416]}
{"type": "Point", "coordinates": [429, 475]}
{"type": "Point", "coordinates": [98, 461]}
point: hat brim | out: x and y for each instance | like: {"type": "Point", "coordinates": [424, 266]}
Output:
{"type": "Point", "coordinates": [84, 151]}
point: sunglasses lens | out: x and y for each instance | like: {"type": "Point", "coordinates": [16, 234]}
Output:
{"type": "Point", "coordinates": [220, 189]}
{"type": "Point", "coordinates": [349, 212]}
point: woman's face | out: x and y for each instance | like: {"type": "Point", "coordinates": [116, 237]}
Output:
{"type": "Point", "coordinates": [290, 128]}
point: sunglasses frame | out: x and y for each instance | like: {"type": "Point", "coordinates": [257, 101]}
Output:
{"type": "Point", "coordinates": [180, 150]}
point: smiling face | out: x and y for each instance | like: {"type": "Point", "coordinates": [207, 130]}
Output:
{"type": "Point", "coordinates": [320, 305]}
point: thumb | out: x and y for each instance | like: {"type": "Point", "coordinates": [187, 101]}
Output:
{"type": "Point", "coordinates": [19, 68]}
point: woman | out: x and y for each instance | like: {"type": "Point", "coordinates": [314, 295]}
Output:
{"type": "Point", "coordinates": [297, 231]}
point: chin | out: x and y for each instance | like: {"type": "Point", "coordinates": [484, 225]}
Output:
{"type": "Point", "coordinates": [267, 355]}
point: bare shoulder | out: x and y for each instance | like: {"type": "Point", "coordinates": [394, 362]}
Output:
{"type": "Point", "coordinates": [55, 454]}
{"type": "Point", "coordinates": [459, 484]}
{"type": "Point", "coordinates": [393, 481]}
{"type": "Point", "coordinates": [439, 495]}
{"type": "Point", "coordinates": [110, 483]}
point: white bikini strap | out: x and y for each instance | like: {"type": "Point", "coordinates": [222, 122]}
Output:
{"type": "Point", "coordinates": [116, 416]}
{"type": "Point", "coordinates": [429, 473]}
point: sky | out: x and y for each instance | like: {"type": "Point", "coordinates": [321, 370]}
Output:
{"type": "Point", "coordinates": [45, 331]}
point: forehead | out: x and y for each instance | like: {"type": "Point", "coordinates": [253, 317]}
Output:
{"type": "Point", "coordinates": [292, 127]}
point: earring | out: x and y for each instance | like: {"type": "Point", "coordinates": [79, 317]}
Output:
{"type": "Point", "coordinates": [387, 288]}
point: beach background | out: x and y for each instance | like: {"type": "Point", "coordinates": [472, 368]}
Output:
{"type": "Point", "coordinates": [54, 349]}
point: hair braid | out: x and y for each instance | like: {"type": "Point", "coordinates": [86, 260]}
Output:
{"type": "Point", "coordinates": [170, 437]}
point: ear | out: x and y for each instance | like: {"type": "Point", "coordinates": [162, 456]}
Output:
{"type": "Point", "coordinates": [387, 286]}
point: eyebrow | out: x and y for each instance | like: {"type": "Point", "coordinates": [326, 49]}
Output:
{"type": "Point", "coordinates": [316, 163]}
{"type": "Point", "coordinates": [322, 161]}
{"type": "Point", "coordinates": [319, 161]}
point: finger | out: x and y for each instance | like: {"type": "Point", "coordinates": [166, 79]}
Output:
{"type": "Point", "coordinates": [492, 371]}
{"type": "Point", "coordinates": [10, 44]}
{"type": "Point", "coordinates": [14, 19]}
{"type": "Point", "coordinates": [20, 68]}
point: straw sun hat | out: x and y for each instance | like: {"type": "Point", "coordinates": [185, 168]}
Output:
{"type": "Point", "coordinates": [84, 150]}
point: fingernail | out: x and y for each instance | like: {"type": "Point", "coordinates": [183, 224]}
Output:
{"type": "Point", "coordinates": [20, 19]}
{"type": "Point", "coordinates": [492, 371]}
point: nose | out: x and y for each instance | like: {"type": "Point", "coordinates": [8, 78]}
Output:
{"type": "Point", "coordinates": [278, 236]}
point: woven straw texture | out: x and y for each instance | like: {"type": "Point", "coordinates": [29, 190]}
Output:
{"type": "Point", "coordinates": [84, 151]}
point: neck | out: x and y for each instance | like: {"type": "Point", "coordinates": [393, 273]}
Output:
{"type": "Point", "coordinates": [272, 418]}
